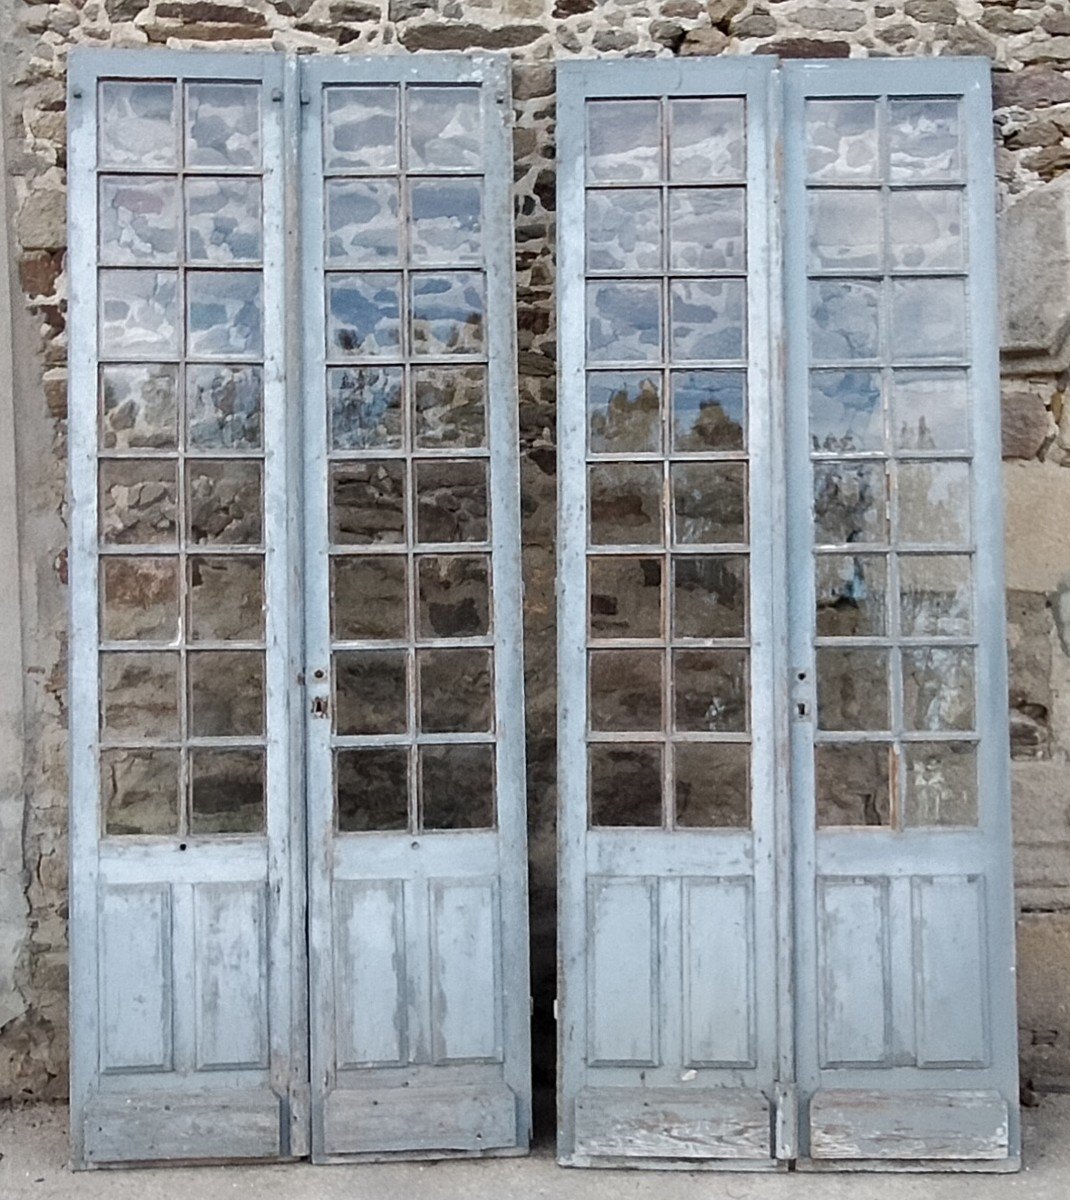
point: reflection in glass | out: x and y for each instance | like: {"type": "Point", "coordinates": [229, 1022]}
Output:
{"type": "Point", "coordinates": [624, 230]}
{"type": "Point", "coordinates": [455, 690]}
{"type": "Point", "coordinates": [138, 502]}
{"type": "Point", "coordinates": [709, 502]}
{"type": "Point", "coordinates": [451, 501]}
{"type": "Point", "coordinates": [852, 689]}
{"type": "Point", "coordinates": [625, 597]}
{"type": "Point", "coordinates": [709, 596]}
{"type": "Point", "coordinates": [453, 595]}
{"type": "Point", "coordinates": [625, 504]}
{"type": "Point", "coordinates": [941, 779]}
{"type": "Point", "coordinates": [223, 407]}
{"type": "Point", "coordinates": [362, 222]}
{"type": "Point", "coordinates": [369, 596]}
{"type": "Point", "coordinates": [139, 696]}
{"type": "Point", "coordinates": [625, 785]}
{"type": "Point", "coordinates": [623, 411]}
{"type": "Point", "coordinates": [223, 220]}
{"type": "Point", "coordinates": [139, 314]}
{"type": "Point", "coordinates": [929, 410]}
{"type": "Point", "coordinates": [360, 128]}
{"type": "Point", "coordinates": [363, 315]}
{"type": "Point", "coordinates": [707, 229]}
{"type": "Point", "coordinates": [925, 230]}
{"type": "Point", "coordinates": [138, 219]}
{"type": "Point", "coordinates": [225, 314]}
{"type": "Point", "coordinates": [226, 598]}
{"type": "Point", "coordinates": [851, 594]}
{"type": "Point", "coordinates": [844, 320]}
{"type": "Point", "coordinates": [225, 503]}
{"type": "Point", "coordinates": [928, 319]}
{"type": "Point", "coordinates": [446, 221]}
{"type": "Point", "coordinates": [366, 407]}
{"type": "Point", "coordinates": [139, 791]}
{"type": "Point", "coordinates": [445, 128]}
{"type": "Point", "coordinates": [841, 139]}
{"type": "Point", "coordinates": [623, 141]}
{"type": "Point", "coordinates": [457, 787]}
{"type": "Point", "coordinates": [938, 688]}
{"type": "Point", "coordinates": [851, 785]}
{"type": "Point", "coordinates": [712, 785]}
{"type": "Point", "coordinates": [448, 313]}
{"type": "Point", "coordinates": [934, 502]}
{"type": "Point", "coordinates": [372, 789]}
{"type": "Point", "coordinates": [226, 791]}
{"type": "Point", "coordinates": [223, 125]}
{"type": "Point", "coordinates": [226, 693]}
{"type": "Point", "coordinates": [625, 690]}
{"type": "Point", "coordinates": [707, 319]}
{"type": "Point", "coordinates": [140, 407]}
{"type": "Point", "coordinates": [845, 411]}
{"type": "Point", "coordinates": [706, 140]}
{"type": "Point", "coordinates": [845, 230]}
{"type": "Point", "coordinates": [449, 406]}
{"type": "Point", "coordinates": [935, 595]}
{"type": "Point", "coordinates": [623, 322]}
{"type": "Point", "coordinates": [367, 502]}
{"type": "Point", "coordinates": [849, 503]}
{"type": "Point", "coordinates": [710, 691]}
{"type": "Point", "coordinates": [139, 599]}
{"type": "Point", "coordinates": [137, 125]}
{"type": "Point", "coordinates": [370, 691]}
{"type": "Point", "coordinates": [923, 139]}
{"type": "Point", "coordinates": [708, 410]}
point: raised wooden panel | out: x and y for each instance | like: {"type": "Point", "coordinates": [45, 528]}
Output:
{"type": "Point", "coordinates": [856, 1124]}
{"type": "Point", "coordinates": [465, 971]}
{"type": "Point", "coordinates": [369, 975]}
{"type": "Point", "coordinates": [718, 963]}
{"type": "Point", "coordinates": [231, 972]}
{"type": "Point", "coordinates": [622, 1006]}
{"type": "Point", "coordinates": [673, 1123]}
{"type": "Point", "coordinates": [949, 971]}
{"type": "Point", "coordinates": [853, 958]}
{"type": "Point", "coordinates": [135, 969]}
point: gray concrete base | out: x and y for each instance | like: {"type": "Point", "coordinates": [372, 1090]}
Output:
{"type": "Point", "coordinates": [33, 1144]}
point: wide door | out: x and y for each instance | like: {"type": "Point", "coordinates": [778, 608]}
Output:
{"type": "Point", "coordinates": [419, 993]}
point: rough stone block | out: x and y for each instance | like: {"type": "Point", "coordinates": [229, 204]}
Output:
{"type": "Point", "coordinates": [1041, 801]}
{"type": "Point", "coordinates": [1044, 997]}
{"type": "Point", "coordinates": [42, 221]}
{"type": "Point", "coordinates": [1026, 424]}
{"type": "Point", "coordinates": [1035, 87]}
{"type": "Point", "coordinates": [1036, 504]}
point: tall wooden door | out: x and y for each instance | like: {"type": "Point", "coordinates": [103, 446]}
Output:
{"type": "Point", "coordinates": [787, 930]}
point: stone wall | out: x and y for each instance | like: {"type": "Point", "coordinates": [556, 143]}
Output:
{"type": "Point", "coordinates": [1029, 43]}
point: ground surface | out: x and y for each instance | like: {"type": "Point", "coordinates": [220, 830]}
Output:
{"type": "Point", "coordinates": [33, 1143]}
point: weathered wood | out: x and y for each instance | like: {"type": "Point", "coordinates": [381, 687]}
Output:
{"type": "Point", "coordinates": [856, 1124]}
{"type": "Point", "coordinates": [673, 1123]}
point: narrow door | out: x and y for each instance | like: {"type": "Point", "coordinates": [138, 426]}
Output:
{"type": "Point", "coordinates": [188, 1011]}
{"type": "Point", "coordinates": [672, 1046]}
{"type": "Point", "coordinates": [905, 985]}
{"type": "Point", "coordinates": [419, 991]}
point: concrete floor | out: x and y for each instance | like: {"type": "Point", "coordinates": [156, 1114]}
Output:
{"type": "Point", "coordinates": [33, 1145]}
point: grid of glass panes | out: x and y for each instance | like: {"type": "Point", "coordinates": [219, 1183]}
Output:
{"type": "Point", "coordinates": [668, 568]}
{"type": "Point", "coordinates": [181, 568]}
{"type": "Point", "coordinates": [890, 444]}
{"type": "Point", "coordinates": [406, 375]}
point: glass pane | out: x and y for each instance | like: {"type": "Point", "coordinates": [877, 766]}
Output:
{"type": "Point", "coordinates": [138, 219]}
{"type": "Point", "coordinates": [453, 595]}
{"type": "Point", "coordinates": [226, 791]}
{"type": "Point", "coordinates": [844, 320]}
{"type": "Point", "coordinates": [712, 785]}
{"type": "Point", "coordinates": [226, 693]}
{"type": "Point", "coordinates": [138, 502]}
{"type": "Point", "coordinates": [625, 785]}
{"type": "Point", "coordinates": [841, 139]}
{"type": "Point", "coordinates": [623, 322]}
{"type": "Point", "coordinates": [709, 502]}
{"type": "Point", "coordinates": [360, 128]}
{"type": "Point", "coordinates": [845, 230]}
{"type": "Point", "coordinates": [625, 597]}
{"type": "Point", "coordinates": [710, 690]}
{"type": "Point", "coordinates": [457, 787]}
{"type": "Point", "coordinates": [223, 220]}
{"type": "Point", "coordinates": [370, 691]}
{"type": "Point", "coordinates": [139, 314]}
{"type": "Point", "coordinates": [372, 789]}
{"type": "Point", "coordinates": [223, 124]}
{"type": "Point", "coordinates": [446, 221]}
{"type": "Point", "coordinates": [450, 406]}
{"type": "Point", "coordinates": [223, 406]}
{"type": "Point", "coordinates": [140, 407]}
{"type": "Point", "coordinates": [624, 230]}
{"type": "Point", "coordinates": [139, 696]}
{"type": "Point", "coordinates": [941, 783]}
{"type": "Point", "coordinates": [362, 222]}
{"type": "Point", "coordinates": [226, 598]}
{"type": "Point", "coordinates": [710, 596]}
{"type": "Point", "coordinates": [625, 504]}
{"type": "Point", "coordinates": [849, 503]}
{"type": "Point", "coordinates": [140, 599]}
{"type": "Point", "coordinates": [445, 128]}
{"type": "Point", "coordinates": [706, 140]}
{"type": "Point", "coordinates": [923, 139]}
{"type": "Point", "coordinates": [368, 503]}
{"type": "Point", "coordinates": [852, 595]}
{"type": "Point", "coordinates": [451, 501]}
{"type": "Point", "coordinates": [455, 691]}
{"type": "Point", "coordinates": [447, 313]}
{"type": "Point", "coordinates": [935, 595]}
{"type": "Point", "coordinates": [707, 227]}
{"type": "Point", "coordinates": [625, 690]}
{"type": "Point", "coordinates": [707, 319]}
{"type": "Point", "coordinates": [366, 407]}
{"type": "Point", "coordinates": [934, 502]}
{"type": "Point", "coordinates": [851, 786]}
{"type": "Point", "coordinates": [226, 314]}
{"type": "Point", "coordinates": [623, 412]}
{"type": "Point", "coordinates": [139, 791]}
{"type": "Point", "coordinates": [369, 597]}
{"type": "Point", "coordinates": [137, 124]}
{"type": "Point", "coordinates": [845, 411]}
{"type": "Point", "coordinates": [928, 319]}
{"type": "Point", "coordinates": [225, 504]}
{"type": "Point", "coordinates": [363, 315]}
{"type": "Point", "coordinates": [852, 689]}
{"type": "Point", "coordinates": [708, 410]}
{"type": "Point", "coordinates": [929, 410]}
{"type": "Point", "coordinates": [623, 141]}
{"type": "Point", "coordinates": [925, 230]}
{"type": "Point", "coordinates": [938, 688]}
